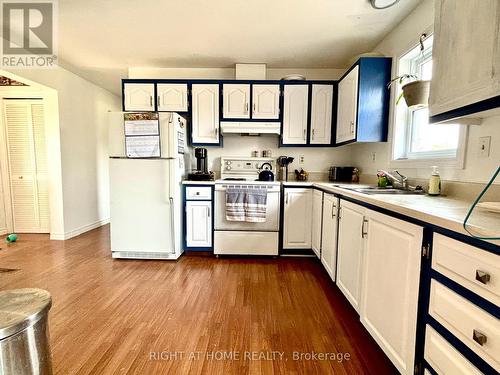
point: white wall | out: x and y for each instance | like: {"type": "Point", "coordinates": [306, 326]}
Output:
{"type": "Point", "coordinates": [315, 159]}
{"type": "Point", "coordinates": [396, 43]}
{"type": "Point", "coordinates": [83, 109]}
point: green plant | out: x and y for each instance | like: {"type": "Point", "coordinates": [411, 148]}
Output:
{"type": "Point", "coordinates": [400, 79]}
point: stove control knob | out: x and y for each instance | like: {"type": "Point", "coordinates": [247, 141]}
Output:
{"type": "Point", "coordinates": [228, 167]}
{"type": "Point", "coordinates": [228, 162]}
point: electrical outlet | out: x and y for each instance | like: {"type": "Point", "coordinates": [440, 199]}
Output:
{"type": "Point", "coordinates": [484, 147]}
{"type": "Point", "coordinates": [301, 159]}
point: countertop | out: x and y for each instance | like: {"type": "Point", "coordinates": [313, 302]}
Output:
{"type": "Point", "coordinates": [445, 212]}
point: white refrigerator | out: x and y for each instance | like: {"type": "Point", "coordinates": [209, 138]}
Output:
{"type": "Point", "coordinates": [145, 192]}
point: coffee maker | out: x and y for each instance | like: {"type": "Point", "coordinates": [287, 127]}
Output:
{"type": "Point", "coordinates": [201, 173]}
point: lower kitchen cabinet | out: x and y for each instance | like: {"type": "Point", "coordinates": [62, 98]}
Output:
{"type": "Point", "coordinates": [297, 222]}
{"type": "Point", "coordinates": [350, 251]}
{"type": "Point", "coordinates": [317, 218]}
{"type": "Point", "coordinates": [390, 285]}
{"type": "Point", "coordinates": [198, 217]}
{"type": "Point", "coordinates": [329, 234]}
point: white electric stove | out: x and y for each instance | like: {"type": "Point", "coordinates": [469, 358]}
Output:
{"type": "Point", "coordinates": [243, 238]}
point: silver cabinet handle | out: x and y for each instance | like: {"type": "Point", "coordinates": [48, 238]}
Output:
{"type": "Point", "coordinates": [158, 102]}
{"type": "Point", "coordinates": [246, 107]}
{"type": "Point", "coordinates": [254, 107]}
{"type": "Point", "coordinates": [150, 100]}
{"type": "Point", "coordinates": [363, 232]}
{"type": "Point", "coordinates": [352, 127]}
{"type": "Point", "coordinates": [482, 277]}
{"type": "Point", "coordinates": [286, 198]}
{"type": "Point", "coordinates": [216, 132]}
{"type": "Point", "coordinates": [479, 337]}
{"type": "Point", "coordinates": [208, 212]}
{"type": "Point", "coordinates": [304, 134]}
{"type": "Point", "coordinates": [313, 133]}
{"type": "Point", "coordinates": [333, 210]}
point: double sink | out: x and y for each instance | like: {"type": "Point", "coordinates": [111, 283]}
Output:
{"type": "Point", "coordinates": [380, 190]}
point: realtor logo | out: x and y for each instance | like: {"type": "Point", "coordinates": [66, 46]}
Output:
{"type": "Point", "coordinates": [28, 33]}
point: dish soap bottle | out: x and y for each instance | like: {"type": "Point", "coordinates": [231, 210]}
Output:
{"type": "Point", "coordinates": [435, 182]}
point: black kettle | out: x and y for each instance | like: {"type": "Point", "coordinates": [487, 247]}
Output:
{"type": "Point", "coordinates": [266, 174]}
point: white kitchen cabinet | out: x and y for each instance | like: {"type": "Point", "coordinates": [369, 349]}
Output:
{"type": "Point", "coordinates": [172, 97]}
{"type": "Point", "coordinates": [329, 234]}
{"type": "Point", "coordinates": [295, 112]}
{"type": "Point", "coordinates": [321, 114]}
{"type": "Point", "coordinates": [347, 106]}
{"type": "Point", "coordinates": [465, 54]}
{"type": "Point", "coordinates": [205, 113]}
{"type": "Point", "coordinates": [297, 218]}
{"type": "Point", "coordinates": [236, 101]}
{"type": "Point", "coordinates": [199, 224]}
{"type": "Point", "coordinates": [317, 218]}
{"type": "Point", "coordinates": [390, 285]}
{"type": "Point", "coordinates": [350, 251]}
{"type": "Point", "coordinates": [265, 102]}
{"type": "Point", "coordinates": [138, 96]}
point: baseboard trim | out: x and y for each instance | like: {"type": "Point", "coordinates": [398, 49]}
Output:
{"type": "Point", "coordinates": [76, 232]}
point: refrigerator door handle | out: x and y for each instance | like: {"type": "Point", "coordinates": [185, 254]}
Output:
{"type": "Point", "coordinates": [172, 226]}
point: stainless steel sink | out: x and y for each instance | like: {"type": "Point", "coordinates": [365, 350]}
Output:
{"type": "Point", "coordinates": [387, 191]}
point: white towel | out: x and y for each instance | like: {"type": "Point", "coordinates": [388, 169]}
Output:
{"type": "Point", "coordinates": [246, 203]}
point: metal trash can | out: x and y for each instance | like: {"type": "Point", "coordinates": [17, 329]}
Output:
{"type": "Point", "coordinates": [24, 333]}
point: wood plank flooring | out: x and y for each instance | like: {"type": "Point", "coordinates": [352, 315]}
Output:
{"type": "Point", "coordinates": [198, 315]}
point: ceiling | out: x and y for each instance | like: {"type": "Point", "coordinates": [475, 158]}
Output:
{"type": "Point", "coordinates": [100, 39]}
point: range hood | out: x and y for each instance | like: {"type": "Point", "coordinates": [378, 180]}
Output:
{"type": "Point", "coordinates": [250, 127]}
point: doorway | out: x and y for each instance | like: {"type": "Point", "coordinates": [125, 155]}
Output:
{"type": "Point", "coordinates": [24, 132]}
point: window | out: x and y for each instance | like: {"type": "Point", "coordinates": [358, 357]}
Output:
{"type": "Point", "coordinates": [415, 140]}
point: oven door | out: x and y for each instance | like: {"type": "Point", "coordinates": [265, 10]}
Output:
{"type": "Point", "coordinates": [272, 213]}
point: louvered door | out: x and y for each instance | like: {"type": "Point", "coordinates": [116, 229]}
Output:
{"type": "Point", "coordinates": [25, 133]}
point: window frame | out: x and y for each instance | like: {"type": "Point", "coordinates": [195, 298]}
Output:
{"type": "Point", "coordinates": [402, 120]}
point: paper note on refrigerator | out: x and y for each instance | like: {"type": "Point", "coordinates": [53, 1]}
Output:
{"type": "Point", "coordinates": [143, 146]}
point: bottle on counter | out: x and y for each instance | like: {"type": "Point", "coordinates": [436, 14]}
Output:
{"type": "Point", "coordinates": [435, 182]}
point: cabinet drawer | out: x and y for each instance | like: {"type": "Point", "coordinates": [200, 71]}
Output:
{"type": "Point", "coordinates": [467, 322]}
{"type": "Point", "coordinates": [475, 269]}
{"type": "Point", "coordinates": [199, 193]}
{"type": "Point", "coordinates": [444, 358]}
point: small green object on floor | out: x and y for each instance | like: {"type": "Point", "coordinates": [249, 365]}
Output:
{"type": "Point", "coordinates": [11, 238]}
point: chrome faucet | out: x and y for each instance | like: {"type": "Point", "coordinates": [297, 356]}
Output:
{"type": "Point", "coordinates": [399, 182]}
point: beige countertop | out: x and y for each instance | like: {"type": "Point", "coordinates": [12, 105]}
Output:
{"type": "Point", "coordinates": [446, 212]}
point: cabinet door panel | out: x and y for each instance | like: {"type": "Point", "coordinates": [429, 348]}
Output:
{"type": "Point", "coordinates": [298, 216]}
{"type": "Point", "coordinates": [350, 252]}
{"type": "Point", "coordinates": [329, 234]}
{"type": "Point", "coordinates": [205, 121]}
{"type": "Point", "coordinates": [139, 96]}
{"type": "Point", "coordinates": [391, 273]}
{"type": "Point", "coordinates": [172, 97]}
{"type": "Point", "coordinates": [474, 79]}
{"type": "Point", "coordinates": [236, 100]}
{"type": "Point", "coordinates": [347, 106]}
{"type": "Point", "coordinates": [321, 114]}
{"type": "Point", "coordinates": [295, 114]}
{"type": "Point", "coordinates": [317, 213]}
{"type": "Point", "coordinates": [266, 102]}
{"type": "Point", "coordinates": [198, 224]}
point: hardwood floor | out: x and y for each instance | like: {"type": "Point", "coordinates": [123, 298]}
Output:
{"type": "Point", "coordinates": [158, 317]}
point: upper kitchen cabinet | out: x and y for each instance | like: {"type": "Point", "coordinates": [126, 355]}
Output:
{"type": "Point", "coordinates": [205, 114]}
{"type": "Point", "coordinates": [138, 96]}
{"type": "Point", "coordinates": [295, 114]}
{"type": "Point", "coordinates": [236, 101]}
{"type": "Point", "coordinates": [363, 102]}
{"type": "Point", "coordinates": [321, 114]}
{"type": "Point", "coordinates": [172, 97]}
{"type": "Point", "coordinates": [466, 59]}
{"type": "Point", "coordinates": [265, 102]}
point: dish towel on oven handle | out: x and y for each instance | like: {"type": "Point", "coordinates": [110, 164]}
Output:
{"type": "Point", "coordinates": [246, 203]}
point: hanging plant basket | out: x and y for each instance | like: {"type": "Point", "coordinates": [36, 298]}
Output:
{"type": "Point", "coordinates": [416, 94]}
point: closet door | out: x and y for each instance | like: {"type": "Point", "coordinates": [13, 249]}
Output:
{"type": "Point", "coordinates": [25, 135]}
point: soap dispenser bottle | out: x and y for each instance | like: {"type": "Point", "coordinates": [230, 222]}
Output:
{"type": "Point", "coordinates": [435, 182]}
